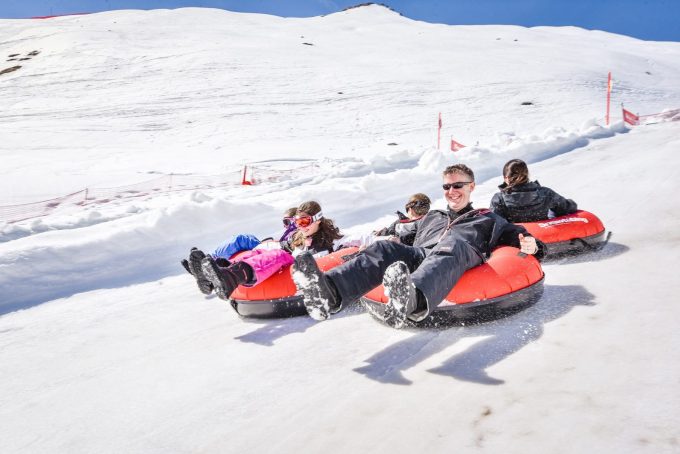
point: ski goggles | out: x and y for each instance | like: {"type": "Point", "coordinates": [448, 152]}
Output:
{"type": "Point", "coordinates": [288, 221]}
{"type": "Point", "coordinates": [458, 185]}
{"type": "Point", "coordinates": [306, 221]}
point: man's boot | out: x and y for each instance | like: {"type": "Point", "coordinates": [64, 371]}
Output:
{"type": "Point", "coordinates": [401, 293]}
{"type": "Point", "coordinates": [318, 293]}
{"type": "Point", "coordinates": [195, 258]}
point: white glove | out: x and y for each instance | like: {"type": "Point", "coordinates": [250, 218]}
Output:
{"type": "Point", "coordinates": [527, 244]}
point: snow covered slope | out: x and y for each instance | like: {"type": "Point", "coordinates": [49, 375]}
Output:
{"type": "Point", "coordinates": [198, 90]}
{"type": "Point", "coordinates": [107, 346]}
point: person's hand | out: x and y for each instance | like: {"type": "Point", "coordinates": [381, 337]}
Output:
{"type": "Point", "coordinates": [395, 239]}
{"type": "Point", "coordinates": [527, 244]}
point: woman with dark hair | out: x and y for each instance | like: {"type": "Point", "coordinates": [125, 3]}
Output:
{"type": "Point", "coordinates": [521, 200]}
{"type": "Point", "coordinates": [315, 233]}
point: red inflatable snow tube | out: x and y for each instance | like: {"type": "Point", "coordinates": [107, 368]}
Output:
{"type": "Point", "coordinates": [275, 297]}
{"type": "Point", "coordinates": [574, 233]}
{"type": "Point", "coordinates": [507, 282]}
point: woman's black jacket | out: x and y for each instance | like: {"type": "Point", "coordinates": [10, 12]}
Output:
{"type": "Point", "coordinates": [529, 202]}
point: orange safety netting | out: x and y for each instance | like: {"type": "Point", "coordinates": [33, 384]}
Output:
{"type": "Point", "coordinates": [161, 185]}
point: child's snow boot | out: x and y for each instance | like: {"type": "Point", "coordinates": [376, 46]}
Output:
{"type": "Point", "coordinates": [195, 258]}
{"type": "Point", "coordinates": [225, 280]}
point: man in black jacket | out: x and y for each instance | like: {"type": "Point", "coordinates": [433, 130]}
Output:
{"type": "Point", "coordinates": [416, 278]}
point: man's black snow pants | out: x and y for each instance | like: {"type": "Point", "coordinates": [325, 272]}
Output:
{"type": "Point", "coordinates": [434, 273]}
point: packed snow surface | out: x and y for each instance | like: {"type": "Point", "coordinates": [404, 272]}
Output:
{"type": "Point", "coordinates": [106, 344]}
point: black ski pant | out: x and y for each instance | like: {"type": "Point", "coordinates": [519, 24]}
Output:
{"type": "Point", "coordinates": [434, 272]}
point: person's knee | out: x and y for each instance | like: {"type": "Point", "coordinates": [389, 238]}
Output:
{"type": "Point", "coordinates": [246, 241]}
{"type": "Point", "coordinates": [377, 246]}
{"type": "Point", "coordinates": [283, 258]}
{"type": "Point", "coordinates": [382, 247]}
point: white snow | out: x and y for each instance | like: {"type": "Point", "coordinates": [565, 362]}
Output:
{"type": "Point", "coordinates": [107, 346]}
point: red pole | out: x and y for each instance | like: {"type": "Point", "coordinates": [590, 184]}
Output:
{"type": "Point", "coordinates": [245, 182]}
{"type": "Point", "coordinates": [439, 131]}
{"type": "Point", "coordinates": [609, 93]}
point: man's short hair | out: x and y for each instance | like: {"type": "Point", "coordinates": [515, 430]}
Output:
{"type": "Point", "coordinates": [459, 168]}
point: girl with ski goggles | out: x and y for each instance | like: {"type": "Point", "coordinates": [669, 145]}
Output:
{"type": "Point", "coordinates": [307, 220]}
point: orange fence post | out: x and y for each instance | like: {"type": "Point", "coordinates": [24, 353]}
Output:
{"type": "Point", "coordinates": [245, 182]}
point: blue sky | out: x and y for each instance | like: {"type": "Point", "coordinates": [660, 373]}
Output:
{"type": "Point", "coordinates": [657, 20]}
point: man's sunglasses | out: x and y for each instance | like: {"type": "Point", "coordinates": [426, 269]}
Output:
{"type": "Point", "coordinates": [459, 185]}
{"type": "Point", "coordinates": [288, 221]}
{"type": "Point", "coordinates": [306, 221]}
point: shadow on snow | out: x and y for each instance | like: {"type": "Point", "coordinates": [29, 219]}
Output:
{"type": "Point", "coordinates": [502, 338]}
{"type": "Point", "coordinates": [610, 250]}
{"type": "Point", "coordinates": [271, 330]}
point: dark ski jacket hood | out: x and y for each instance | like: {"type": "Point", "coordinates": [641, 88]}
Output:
{"type": "Point", "coordinates": [530, 202]}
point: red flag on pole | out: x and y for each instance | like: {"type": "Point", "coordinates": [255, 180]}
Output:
{"type": "Point", "coordinates": [609, 93]}
{"type": "Point", "coordinates": [245, 182]}
{"type": "Point", "coordinates": [455, 146]}
{"type": "Point", "coordinates": [439, 131]}
{"type": "Point", "coordinates": [630, 117]}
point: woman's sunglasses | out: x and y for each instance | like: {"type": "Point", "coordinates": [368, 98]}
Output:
{"type": "Point", "coordinates": [306, 221]}
{"type": "Point", "coordinates": [288, 221]}
{"type": "Point", "coordinates": [459, 185]}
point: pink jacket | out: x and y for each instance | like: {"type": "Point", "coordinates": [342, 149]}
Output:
{"type": "Point", "coordinates": [265, 262]}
